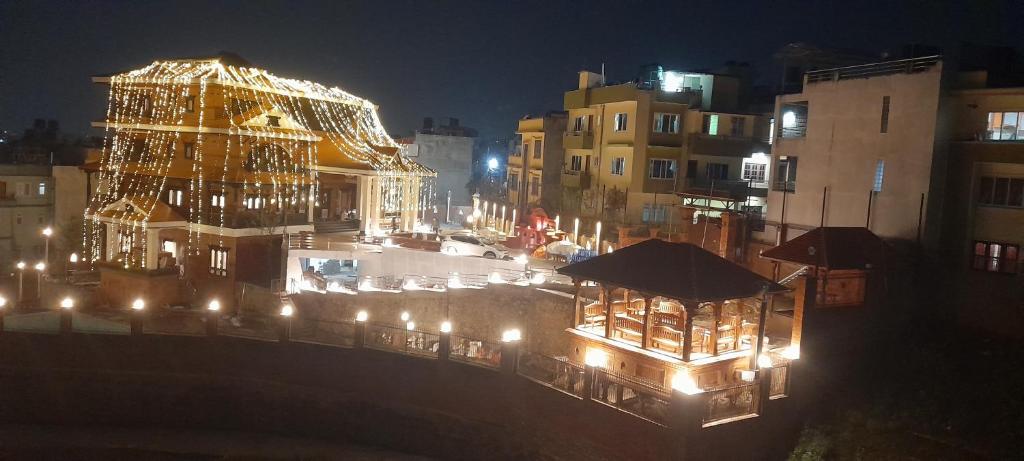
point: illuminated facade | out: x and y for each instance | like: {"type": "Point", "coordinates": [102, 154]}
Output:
{"type": "Point", "coordinates": [207, 163]}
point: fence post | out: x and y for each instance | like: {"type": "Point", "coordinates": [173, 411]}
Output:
{"type": "Point", "coordinates": [360, 330]}
{"type": "Point", "coordinates": [136, 322]}
{"type": "Point", "coordinates": [65, 321]}
{"type": "Point", "coordinates": [589, 372]}
{"type": "Point", "coordinates": [444, 344]}
{"type": "Point", "coordinates": [212, 319]}
{"type": "Point", "coordinates": [686, 416]}
{"type": "Point", "coordinates": [510, 356]}
{"type": "Point", "coordinates": [284, 328]}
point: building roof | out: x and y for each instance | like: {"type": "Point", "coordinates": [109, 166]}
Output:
{"type": "Point", "coordinates": [833, 248]}
{"type": "Point", "coordinates": [679, 271]}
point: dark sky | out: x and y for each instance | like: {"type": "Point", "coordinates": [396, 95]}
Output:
{"type": "Point", "coordinates": [485, 62]}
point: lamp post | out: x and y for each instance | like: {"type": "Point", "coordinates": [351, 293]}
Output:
{"type": "Point", "coordinates": [47, 232]}
{"type": "Point", "coordinates": [212, 311]}
{"type": "Point", "coordinates": [3, 304]}
{"type": "Point", "coordinates": [40, 267]}
{"type": "Point", "coordinates": [72, 262]}
{"type": "Point", "coordinates": [284, 331]}
{"type": "Point", "coordinates": [597, 238]}
{"type": "Point", "coordinates": [136, 321]}
{"type": "Point", "coordinates": [66, 305]}
{"type": "Point", "coordinates": [21, 280]}
{"type": "Point", "coordinates": [576, 231]}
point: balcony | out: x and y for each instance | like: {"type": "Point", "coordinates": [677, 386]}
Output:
{"type": "Point", "coordinates": [576, 179]}
{"type": "Point", "coordinates": [578, 140]}
{"type": "Point", "coordinates": [727, 146]}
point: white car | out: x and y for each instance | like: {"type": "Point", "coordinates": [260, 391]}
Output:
{"type": "Point", "coordinates": [469, 245]}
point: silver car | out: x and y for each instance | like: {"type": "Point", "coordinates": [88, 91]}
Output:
{"type": "Point", "coordinates": [470, 245]}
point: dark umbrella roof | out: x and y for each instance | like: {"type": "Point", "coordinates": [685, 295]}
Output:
{"type": "Point", "coordinates": [674, 270]}
{"type": "Point", "coordinates": [833, 248]}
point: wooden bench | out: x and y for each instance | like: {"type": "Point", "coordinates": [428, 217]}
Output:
{"type": "Point", "coordinates": [630, 326]}
{"type": "Point", "coordinates": [668, 337]}
{"type": "Point", "coordinates": [593, 314]}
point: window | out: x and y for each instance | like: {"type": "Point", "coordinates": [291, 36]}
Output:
{"type": "Point", "coordinates": [1005, 126]}
{"type": "Point", "coordinates": [710, 124]}
{"type": "Point", "coordinates": [217, 200]}
{"type": "Point", "coordinates": [190, 104]}
{"type": "Point", "coordinates": [526, 149]}
{"type": "Point", "coordinates": [717, 170]}
{"type": "Point", "coordinates": [576, 163]}
{"type": "Point", "coordinates": [169, 246]}
{"type": "Point", "coordinates": [771, 131]}
{"type": "Point", "coordinates": [885, 114]}
{"type": "Point", "coordinates": [666, 123]}
{"type": "Point", "coordinates": [273, 121]}
{"type": "Point", "coordinates": [42, 188]}
{"type": "Point", "coordinates": [534, 185]}
{"type": "Point", "coordinates": [663, 169]}
{"type": "Point", "coordinates": [786, 177]}
{"type": "Point", "coordinates": [175, 197]}
{"type": "Point", "coordinates": [125, 240]}
{"type": "Point", "coordinates": [754, 171]}
{"type": "Point", "coordinates": [739, 125]}
{"type": "Point", "coordinates": [621, 121]}
{"type": "Point", "coordinates": [513, 181]}
{"type": "Point", "coordinates": [254, 202]}
{"type": "Point", "coordinates": [654, 213]}
{"type": "Point", "coordinates": [1001, 192]}
{"type": "Point", "coordinates": [618, 166]}
{"type": "Point", "coordinates": [536, 148]}
{"type": "Point", "coordinates": [189, 148]}
{"type": "Point", "coordinates": [581, 123]}
{"type": "Point", "coordinates": [219, 261]}
{"type": "Point", "coordinates": [691, 169]}
{"type": "Point", "coordinates": [996, 257]}
{"type": "Point", "coordinates": [17, 218]}
{"type": "Point", "coordinates": [879, 175]}
{"type": "Point", "coordinates": [24, 188]}
{"type": "Point", "coordinates": [794, 120]}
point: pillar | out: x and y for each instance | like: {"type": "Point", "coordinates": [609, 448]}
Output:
{"type": "Point", "coordinates": [136, 322]}
{"type": "Point", "coordinates": [645, 339]}
{"type": "Point", "coordinates": [152, 248]}
{"type": "Point", "coordinates": [284, 328]}
{"type": "Point", "coordinates": [360, 335]}
{"type": "Point", "coordinates": [608, 312]}
{"type": "Point", "coordinates": [687, 333]}
{"type": "Point", "coordinates": [444, 345]}
{"type": "Point", "coordinates": [714, 328]}
{"type": "Point", "coordinates": [212, 320]}
{"type": "Point", "coordinates": [579, 316]}
{"type": "Point", "coordinates": [804, 297]}
{"type": "Point", "coordinates": [65, 321]}
{"type": "Point", "coordinates": [686, 222]}
{"type": "Point", "coordinates": [731, 223]}
{"type": "Point", "coordinates": [509, 357]}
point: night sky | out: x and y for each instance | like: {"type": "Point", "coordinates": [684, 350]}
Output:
{"type": "Point", "coordinates": [487, 63]}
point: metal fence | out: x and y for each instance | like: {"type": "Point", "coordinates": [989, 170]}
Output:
{"type": "Point", "coordinates": [731, 402]}
{"type": "Point", "coordinates": [780, 380]}
{"type": "Point", "coordinates": [475, 351]}
{"type": "Point", "coordinates": [396, 339]}
{"type": "Point", "coordinates": [556, 372]}
{"type": "Point", "coordinates": [633, 395]}
{"type": "Point", "coordinates": [174, 322]}
{"type": "Point", "coordinates": [251, 326]}
{"type": "Point", "coordinates": [326, 332]}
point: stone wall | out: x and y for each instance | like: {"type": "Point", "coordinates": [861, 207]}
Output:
{"type": "Point", "coordinates": [478, 314]}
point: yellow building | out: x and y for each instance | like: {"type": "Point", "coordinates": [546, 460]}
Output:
{"type": "Point", "coordinates": [630, 148]}
{"type": "Point", "coordinates": [207, 163]}
{"type": "Point", "coordinates": [533, 168]}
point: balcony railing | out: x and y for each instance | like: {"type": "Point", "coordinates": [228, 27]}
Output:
{"type": "Point", "coordinates": [578, 140]}
{"type": "Point", "coordinates": [902, 66]}
{"type": "Point", "coordinates": [576, 179]}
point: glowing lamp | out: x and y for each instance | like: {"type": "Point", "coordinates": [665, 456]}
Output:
{"type": "Point", "coordinates": [788, 119]}
{"type": "Point", "coordinates": [3, 302]}
{"type": "Point", "coordinates": [361, 316]}
{"type": "Point", "coordinates": [214, 306]}
{"type": "Point", "coordinates": [522, 259]}
{"type": "Point", "coordinates": [596, 358]}
{"type": "Point", "coordinates": [40, 266]}
{"type": "Point", "coordinates": [511, 335]}
{"type": "Point", "coordinates": [764, 361]}
{"type": "Point", "coordinates": [21, 265]}
{"type": "Point", "coordinates": [138, 304]}
{"type": "Point", "coordinates": [492, 164]}
{"type": "Point", "coordinates": [410, 325]}
{"type": "Point", "coordinates": [446, 327]}
{"type": "Point", "coordinates": [683, 382]}
{"type": "Point", "coordinates": [791, 352]}
{"type": "Point", "coordinates": [48, 231]}
{"type": "Point", "coordinates": [73, 258]}
{"type": "Point", "coordinates": [287, 310]}
{"type": "Point", "coordinates": [404, 316]}
{"type": "Point", "coordinates": [67, 303]}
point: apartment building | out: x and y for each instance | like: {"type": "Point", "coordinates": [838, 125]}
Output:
{"type": "Point", "coordinates": [448, 150]}
{"type": "Point", "coordinates": [532, 177]}
{"type": "Point", "coordinates": [631, 148]}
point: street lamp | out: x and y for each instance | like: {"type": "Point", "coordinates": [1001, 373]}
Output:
{"type": "Point", "coordinates": [40, 267]}
{"type": "Point", "coordinates": [21, 279]}
{"type": "Point", "coordinates": [47, 232]}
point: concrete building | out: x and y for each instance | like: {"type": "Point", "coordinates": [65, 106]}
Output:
{"type": "Point", "coordinates": [626, 144]}
{"type": "Point", "coordinates": [448, 150]}
{"type": "Point", "coordinates": [26, 207]}
{"type": "Point", "coordinates": [534, 168]}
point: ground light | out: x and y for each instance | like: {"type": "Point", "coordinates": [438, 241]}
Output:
{"type": "Point", "coordinates": [361, 316]}
{"type": "Point", "coordinates": [138, 304]}
{"type": "Point", "coordinates": [3, 302]}
{"type": "Point", "coordinates": [764, 361]}
{"type": "Point", "coordinates": [683, 382]}
{"type": "Point", "coordinates": [596, 358]}
{"type": "Point", "coordinates": [67, 303]}
{"type": "Point", "coordinates": [214, 306]}
{"type": "Point", "coordinates": [404, 316]}
{"type": "Point", "coordinates": [410, 325]}
{"type": "Point", "coordinates": [446, 327]}
{"type": "Point", "coordinates": [511, 335]}
{"type": "Point", "coordinates": [287, 310]}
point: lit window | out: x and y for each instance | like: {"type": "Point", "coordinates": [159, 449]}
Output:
{"type": "Point", "coordinates": [190, 104]}
{"type": "Point", "coordinates": [217, 200]}
{"type": "Point", "coordinates": [771, 131]}
{"type": "Point", "coordinates": [621, 121]}
{"type": "Point", "coordinates": [663, 169]}
{"type": "Point", "coordinates": [254, 202]}
{"type": "Point", "coordinates": [996, 257]}
{"type": "Point", "coordinates": [175, 197]}
{"type": "Point", "coordinates": [879, 175]}
{"type": "Point", "coordinates": [580, 124]}
{"type": "Point", "coordinates": [125, 240]}
{"type": "Point", "coordinates": [710, 124]}
{"type": "Point", "coordinates": [1005, 126]}
{"type": "Point", "coordinates": [785, 177]}
{"type": "Point", "coordinates": [169, 246]}
{"type": "Point", "coordinates": [219, 261]}
{"type": "Point", "coordinates": [666, 123]}
{"type": "Point", "coordinates": [618, 166]}
{"type": "Point", "coordinates": [754, 171]}
{"type": "Point", "coordinates": [189, 148]}
{"type": "Point", "coordinates": [42, 188]}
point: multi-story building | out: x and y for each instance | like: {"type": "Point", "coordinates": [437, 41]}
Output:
{"type": "Point", "coordinates": [448, 150]}
{"type": "Point", "coordinates": [534, 168]}
{"type": "Point", "coordinates": [26, 208]}
{"type": "Point", "coordinates": [208, 162]}
{"type": "Point", "coordinates": [626, 143]}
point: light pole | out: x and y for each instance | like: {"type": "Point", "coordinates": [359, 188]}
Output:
{"type": "Point", "coordinates": [40, 267]}
{"type": "Point", "coordinates": [21, 280]}
{"type": "Point", "coordinates": [47, 232]}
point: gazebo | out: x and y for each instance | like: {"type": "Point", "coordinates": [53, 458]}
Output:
{"type": "Point", "coordinates": [663, 306]}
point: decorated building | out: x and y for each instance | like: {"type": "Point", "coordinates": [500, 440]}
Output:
{"type": "Point", "coordinates": [207, 163]}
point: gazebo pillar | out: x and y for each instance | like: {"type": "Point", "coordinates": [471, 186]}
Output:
{"type": "Point", "coordinates": [578, 317]}
{"type": "Point", "coordinates": [687, 333]}
{"type": "Point", "coordinates": [645, 338]}
{"type": "Point", "coordinates": [608, 320]}
{"type": "Point", "coordinates": [717, 308]}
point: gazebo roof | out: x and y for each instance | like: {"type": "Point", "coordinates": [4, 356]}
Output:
{"type": "Point", "coordinates": [674, 270]}
{"type": "Point", "coordinates": [833, 248]}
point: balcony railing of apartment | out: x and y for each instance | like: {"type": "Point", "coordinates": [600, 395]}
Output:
{"type": "Point", "coordinates": [733, 146]}
{"type": "Point", "coordinates": [728, 189]}
{"type": "Point", "coordinates": [902, 66]}
{"type": "Point", "coordinates": [573, 178]}
{"type": "Point", "coordinates": [578, 140]}
{"type": "Point", "coordinates": [784, 186]}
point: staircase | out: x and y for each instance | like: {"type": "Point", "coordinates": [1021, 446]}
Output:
{"type": "Point", "coordinates": [330, 227]}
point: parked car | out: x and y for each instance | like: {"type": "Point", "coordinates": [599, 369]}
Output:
{"type": "Point", "coordinates": [470, 245]}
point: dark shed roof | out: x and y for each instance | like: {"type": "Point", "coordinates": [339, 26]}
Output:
{"type": "Point", "coordinates": [675, 270]}
{"type": "Point", "coordinates": [833, 248]}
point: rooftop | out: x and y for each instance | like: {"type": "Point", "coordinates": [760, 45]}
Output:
{"type": "Point", "coordinates": [833, 248]}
